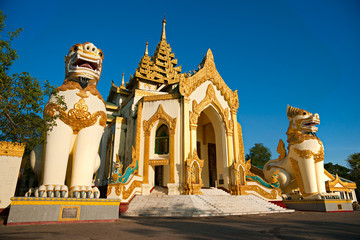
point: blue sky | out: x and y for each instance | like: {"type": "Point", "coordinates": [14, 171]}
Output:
{"type": "Point", "coordinates": [302, 53]}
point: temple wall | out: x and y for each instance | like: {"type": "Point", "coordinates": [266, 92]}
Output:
{"type": "Point", "coordinates": [171, 108]}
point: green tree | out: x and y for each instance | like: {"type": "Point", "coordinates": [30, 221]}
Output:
{"type": "Point", "coordinates": [354, 163]}
{"type": "Point", "coordinates": [337, 169]}
{"type": "Point", "coordinates": [259, 155]}
{"type": "Point", "coordinates": [21, 97]}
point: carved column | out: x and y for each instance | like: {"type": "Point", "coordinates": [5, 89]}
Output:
{"type": "Point", "coordinates": [230, 151]}
{"type": "Point", "coordinates": [172, 156]}
{"type": "Point", "coordinates": [235, 136]}
{"type": "Point", "coordinates": [186, 135]}
{"type": "Point", "coordinates": [146, 158]}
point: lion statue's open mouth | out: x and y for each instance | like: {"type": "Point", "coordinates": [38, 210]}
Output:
{"type": "Point", "coordinates": [84, 64]}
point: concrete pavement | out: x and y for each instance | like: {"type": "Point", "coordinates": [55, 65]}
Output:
{"type": "Point", "coordinates": [297, 225]}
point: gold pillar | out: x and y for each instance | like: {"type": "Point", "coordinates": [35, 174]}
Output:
{"type": "Point", "coordinates": [146, 158]}
{"type": "Point", "coordinates": [172, 156]}
{"type": "Point", "coordinates": [186, 135]}
{"type": "Point", "coordinates": [235, 135]}
{"type": "Point", "coordinates": [193, 137]}
{"type": "Point", "coordinates": [230, 150]}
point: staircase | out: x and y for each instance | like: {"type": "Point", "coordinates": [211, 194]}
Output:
{"type": "Point", "coordinates": [214, 202]}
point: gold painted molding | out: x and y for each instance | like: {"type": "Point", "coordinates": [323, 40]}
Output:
{"type": "Point", "coordinates": [208, 73]}
{"type": "Point", "coordinates": [210, 98]}
{"type": "Point", "coordinates": [161, 97]}
{"type": "Point", "coordinates": [157, 162]}
{"type": "Point", "coordinates": [12, 149]}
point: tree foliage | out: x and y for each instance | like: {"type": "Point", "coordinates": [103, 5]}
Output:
{"type": "Point", "coordinates": [337, 169]}
{"type": "Point", "coordinates": [259, 155]}
{"type": "Point", "coordinates": [354, 163]}
{"type": "Point", "coordinates": [21, 97]}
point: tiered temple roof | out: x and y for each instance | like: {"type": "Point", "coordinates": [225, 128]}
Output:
{"type": "Point", "coordinates": [160, 68]}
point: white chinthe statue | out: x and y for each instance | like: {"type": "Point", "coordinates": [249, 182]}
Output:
{"type": "Point", "coordinates": [70, 153]}
{"type": "Point", "coordinates": [302, 168]}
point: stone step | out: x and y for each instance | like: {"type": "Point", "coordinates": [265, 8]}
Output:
{"type": "Point", "coordinates": [199, 205]}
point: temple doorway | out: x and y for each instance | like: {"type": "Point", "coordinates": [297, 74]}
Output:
{"type": "Point", "coordinates": [212, 164]}
{"type": "Point", "coordinates": [159, 176]}
{"type": "Point", "coordinates": [210, 147]}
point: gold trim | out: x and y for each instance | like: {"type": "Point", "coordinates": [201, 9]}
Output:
{"type": "Point", "coordinates": [127, 193]}
{"type": "Point", "coordinates": [69, 219]}
{"type": "Point", "coordinates": [142, 93]}
{"type": "Point", "coordinates": [208, 73]}
{"type": "Point", "coordinates": [272, 195]}
{"type": "Point", "coordinates": [330, 185]}
{"type": "Point", "coordinates": [111, 107]}
{"type": "Point", "coordinates": [156, 162]}
{"type": "Point", "coordinates": [78, 117]}
{"type": "Point", "coordinates": [161, 97]}
{"type": "Point", "coordinates": [210, 98]}
{"type": "Point", "coordinates": [138, 128]}
{"type": "Point", "coordinates": [12, 149]}
{"type": "Point", "coordinates": [318, 157]}
{"type": "Point", "coordinates": [160, 114]}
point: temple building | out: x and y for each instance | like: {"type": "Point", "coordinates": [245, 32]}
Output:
{"type": "Point", "coordinates": [178, 132]}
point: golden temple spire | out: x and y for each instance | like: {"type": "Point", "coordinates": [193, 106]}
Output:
{"type": "Point", "coordinates": [163, 35]}
{"type": "Point", "coordinates": [146, 49]}
{"type": "Point", "coordinates": [123, 80]}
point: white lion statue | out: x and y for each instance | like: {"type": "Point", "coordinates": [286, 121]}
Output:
{"type": "Point", "coordinates": [70, 153]}
{"type": "Point", "coordinates": [301, 170]}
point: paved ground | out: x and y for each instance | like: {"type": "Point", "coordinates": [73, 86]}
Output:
{"type": "Point", "coordinates": [298, 225]}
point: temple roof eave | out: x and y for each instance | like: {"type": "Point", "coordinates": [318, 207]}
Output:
{"type": "Point", "coordinates": [208, 72]}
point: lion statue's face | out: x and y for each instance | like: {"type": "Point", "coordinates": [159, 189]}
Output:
{"type": "Point", "coordinates": [302, 121]}
{"type": "Point", "coordinates": [83, 64]}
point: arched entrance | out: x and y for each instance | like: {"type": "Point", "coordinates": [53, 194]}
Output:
{"type": "Point", "coordinates": [211, 147]}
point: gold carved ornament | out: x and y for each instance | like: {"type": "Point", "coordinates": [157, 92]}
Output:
{"type": "Point", "coordinates": [318, 157]}
{"type": "Point", "coordinates": [78, 117]}
{"type": "Point", "coordinates": [272, 195]}
{"type": "Point", "coordinates": [238, 173]}
{"type": "Point", "coordinates": [138, 127]}
{"type": "Point", "coordinates": [241, 144]}
{"type": "Point", "coordinates": [210, 98]}
{"type": "Point", "coordinates": [160, 115]}
{"type": "Point", "coordinates": [208, 72]}
{"type": "Point", "coordinates": [127, 193]}
{"type": "Point", "coordinates": [194, 166]}
{"type": "Point", "coordinates": [346, 186]}
{"type": "Point", "coordinates": [12, 149]}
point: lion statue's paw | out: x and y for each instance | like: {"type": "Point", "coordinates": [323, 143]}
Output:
{"type": "Point", "coordinates": [51, 190]}
{"type": "Point", "coordinates": [84, 192]}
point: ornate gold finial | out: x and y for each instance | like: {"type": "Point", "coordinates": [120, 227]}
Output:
{"type": "Point", "coordinates": [123, 80]}
{"type": "Point", "coordinates": [163, 35]}
{"type": "Point", "coordinates": [146, 49]}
